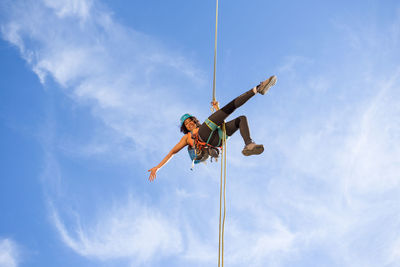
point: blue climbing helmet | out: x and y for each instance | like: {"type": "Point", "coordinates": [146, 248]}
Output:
{"type": "Point", "coordinates": [184, 117]}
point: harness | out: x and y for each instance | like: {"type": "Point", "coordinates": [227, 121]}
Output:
{"type": "Point", "coordinates": [201, 150]}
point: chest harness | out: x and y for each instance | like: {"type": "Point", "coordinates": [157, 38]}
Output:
{"type": "Point", "coordinates": [200, 151]}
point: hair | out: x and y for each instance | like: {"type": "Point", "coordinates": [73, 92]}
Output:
{"type": "Point", "coordinates": [194, 119]}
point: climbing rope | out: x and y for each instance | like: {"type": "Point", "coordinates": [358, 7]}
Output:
{"type": "Point", "coordinates": [222, 191]}
{"type": "Point", "coordinates": [215, 50]}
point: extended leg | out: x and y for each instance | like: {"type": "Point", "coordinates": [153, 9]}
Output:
{"type": "Point", "coordinates": [219, 116]}
{"type": "Point", "coordinates": [240, 123]}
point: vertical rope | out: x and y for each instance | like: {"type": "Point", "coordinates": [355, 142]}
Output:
{"type": "Point", "coordinates": [220, 237]}
{"type": "Point", "coordinates": [223, 221]}
{"type": "Point", "coordinates": [222, 191]}
{"type": "Point", "coordinates": [220, 205]}
{"type": "Point", "coordinates": [215, 51]}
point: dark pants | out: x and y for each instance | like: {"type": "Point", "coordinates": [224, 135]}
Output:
{"type": "Point", "coordinates": [231, 126]}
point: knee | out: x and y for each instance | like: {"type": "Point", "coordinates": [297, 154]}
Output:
{"type": "Point", "coordinates": [239, 119]}
{"type": "Point", "coordinates": [242, 118]}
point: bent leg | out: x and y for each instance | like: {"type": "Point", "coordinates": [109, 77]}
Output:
{"type": "Point", "coordinates": [239, 123]}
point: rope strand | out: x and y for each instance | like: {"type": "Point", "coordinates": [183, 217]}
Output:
{"type": "Point", "coordinates": [215, 51]}
{"type": "Point", "coordinates": [220, 205]}
{"type": "Point", "coordinates": [222, 190]}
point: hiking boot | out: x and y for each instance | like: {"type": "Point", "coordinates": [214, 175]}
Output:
{"type": "Point", "coordinates": [252, 149]}
{"type": "Point", "coordinates": [263, 87]}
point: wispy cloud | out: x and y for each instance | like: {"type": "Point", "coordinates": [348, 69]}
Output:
{"type": "Point", "coordinates": [327, 186]}
{"type": "Point", "coordinates": [74, 8]}
{"type": "Point", "coordinates": [340, 174]}
{"type": "Point", "coordinates": [128, 231]}
{"type": "Point", "coordinates": [9, 255]}
{"type": "Point", "coordinates": [127, 77]}
{"type": "Point", "coordinates": [128, 80]}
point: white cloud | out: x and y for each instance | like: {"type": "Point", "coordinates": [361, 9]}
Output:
{"type": "Point", "coordinates": [9, 256]}
{"type": "Point", "coordinates": [290, 63]}
{"type": "Point", "coordinates": [128, 231]}
{"type": "Point", "coordinates": [128, 80]}
{"type": "Point", "coordinates": [328, 181]}
{"type": "Point", "coordinates": [394, 253]}
{"type": "Point", "coordinates": [126, 77]}
{"type": "Point", "coordinates": [257, 246]}
{"type": "Point", "coordinates": [70, 7]}
{"type": "Point", "coordinates": [339, 177]}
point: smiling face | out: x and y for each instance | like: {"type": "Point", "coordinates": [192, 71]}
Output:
{"type": "Point", "coordinates": [189, 124]}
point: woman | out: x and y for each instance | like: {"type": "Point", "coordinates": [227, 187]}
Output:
{"type": "Point", "coordinates": [204, 139]}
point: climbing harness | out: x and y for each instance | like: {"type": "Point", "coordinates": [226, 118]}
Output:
{"type": "Point", "coordinates": [214, 127]}
{"type": "Point", "coordinates": [200, 151]}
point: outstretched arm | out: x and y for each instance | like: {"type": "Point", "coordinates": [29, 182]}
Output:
{"type": "Point", "coordinates": [182, 143]}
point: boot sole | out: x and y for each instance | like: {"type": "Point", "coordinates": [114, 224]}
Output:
{"type": "Point", "coordinates": [256, 151]}
{"type": "Point", "coordinates": [270, 83]}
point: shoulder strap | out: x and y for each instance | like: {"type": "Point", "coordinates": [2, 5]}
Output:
{"type": "Point", "coordinates": [212, 125]}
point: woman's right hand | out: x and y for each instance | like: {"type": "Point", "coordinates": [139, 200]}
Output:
{"type": "Point", "coordinates": [153, 172]}
{"type": "Point", "coordinates": [215, 105]}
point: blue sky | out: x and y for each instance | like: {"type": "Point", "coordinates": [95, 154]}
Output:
{"type": "Point", "coordinates": [90, 97]}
